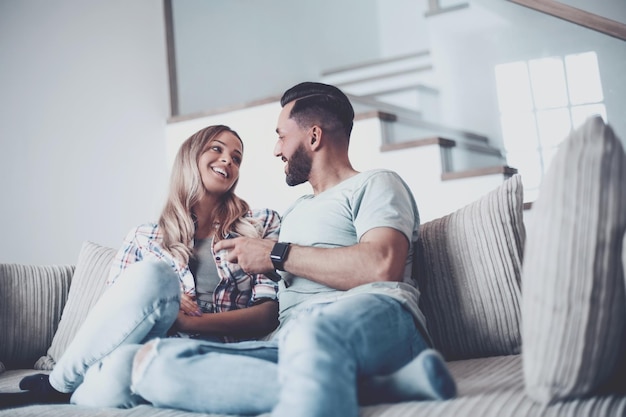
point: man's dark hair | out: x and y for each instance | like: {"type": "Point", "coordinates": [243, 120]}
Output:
{"type": "Point", "coordinates": [321, 104]}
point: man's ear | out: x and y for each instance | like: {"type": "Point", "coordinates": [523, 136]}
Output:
{"type": "Point", "coordinates": [315, 140]}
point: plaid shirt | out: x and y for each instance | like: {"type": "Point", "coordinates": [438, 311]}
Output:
{"type": "Point", "coordinates": [236, 289]}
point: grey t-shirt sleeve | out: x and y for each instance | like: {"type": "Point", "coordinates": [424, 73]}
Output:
{"type": "Point", "coordinates": [384, 200]}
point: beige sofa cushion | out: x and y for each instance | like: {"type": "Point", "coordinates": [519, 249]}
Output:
{"type": "Point", "coordinates": [573, 305]}
{"type": "Point", "coordinates": [31, 304]}
{"type": "Point", "coordinates": [88, 283]}
{"type": "Point", "coordinates": [468, 269]}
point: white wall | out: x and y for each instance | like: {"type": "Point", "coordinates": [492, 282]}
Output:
{"type": "Point", "coordinates": [83, 106]}
{"type": "Point", "coordinates": [402, 28]}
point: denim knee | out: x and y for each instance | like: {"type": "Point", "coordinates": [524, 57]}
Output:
{"type": "Point", "coordinates": [152, 277]}
{"type": "Point", "coordinates": [316, 332]}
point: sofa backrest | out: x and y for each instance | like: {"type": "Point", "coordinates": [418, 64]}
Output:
{"type": "Point", "coordinates": [468, 268]}
{"type": "Point", "coordinates": [31, 301]}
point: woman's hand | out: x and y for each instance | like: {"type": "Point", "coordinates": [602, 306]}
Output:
{"type": "Point", "coordinates": [185, 323]}
{"type": "Point", "coordinates": [189, 311]}
{"type": "Point", "coordinates": [189, 306]}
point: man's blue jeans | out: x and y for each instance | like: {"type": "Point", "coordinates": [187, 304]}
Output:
{"type": "Point", "coordinates": [312, 368]}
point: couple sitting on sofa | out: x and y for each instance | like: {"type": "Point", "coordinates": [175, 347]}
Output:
{"type": "Point", "coordinates": [350, 327]}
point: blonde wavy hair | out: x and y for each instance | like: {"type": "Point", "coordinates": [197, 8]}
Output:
{"type": "Point", "coordinates": [177, 220]}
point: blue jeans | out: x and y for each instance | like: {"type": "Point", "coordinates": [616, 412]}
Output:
{"type": "Point", "coordinates": [141, 305]}
{"type": "Point", "coordinates": [312, 368]}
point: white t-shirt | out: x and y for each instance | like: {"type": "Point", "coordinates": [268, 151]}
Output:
{"type": "Point", "coordinates": [339, 217]}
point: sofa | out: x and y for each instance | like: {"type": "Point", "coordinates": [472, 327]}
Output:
{"type": "Point", "coordinates": [527, 307]}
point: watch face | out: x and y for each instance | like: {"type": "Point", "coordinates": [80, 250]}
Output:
{"type": "Point", "coordinates": [278, 255]}
{"type": "Point", "coordinates": [279, 250]}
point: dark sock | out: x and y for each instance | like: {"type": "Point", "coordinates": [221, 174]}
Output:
{"type": "Point", "coordinates": [39, 389]}
{"type": "Point", "coordinates": [38, 383]}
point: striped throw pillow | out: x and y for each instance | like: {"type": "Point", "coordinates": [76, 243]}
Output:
{"type": "Point", "coordinates": [573, 305]}
{"type": "Point", "coordinates": [88, 283]}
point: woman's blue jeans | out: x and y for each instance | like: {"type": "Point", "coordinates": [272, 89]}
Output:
{"type": "Point", "coordinates": [311, 368]}
{"type": "Point", "coordinates": [141, 305]}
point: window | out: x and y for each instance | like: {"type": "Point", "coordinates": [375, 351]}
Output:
{"type": "Point", "coordinates": [541, 101]}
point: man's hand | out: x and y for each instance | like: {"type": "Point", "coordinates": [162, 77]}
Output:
{"type": "Point", "coordinates": [252, 254]}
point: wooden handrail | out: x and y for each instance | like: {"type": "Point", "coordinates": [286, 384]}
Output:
{"type": "Point", "coordinates": [577, 16]}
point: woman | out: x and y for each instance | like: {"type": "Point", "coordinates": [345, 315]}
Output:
{"type": "Point", "coordinates": [166, 279]}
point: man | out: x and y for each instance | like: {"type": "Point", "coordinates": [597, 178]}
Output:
{"type": "Point", "coordinates": [350, 325]}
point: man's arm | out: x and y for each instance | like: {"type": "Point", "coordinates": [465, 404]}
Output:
{"type": "Point", "coordinates": [380, 255]}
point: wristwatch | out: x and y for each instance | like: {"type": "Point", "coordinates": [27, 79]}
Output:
{"type": "Point", "coordinates": [279, 255]}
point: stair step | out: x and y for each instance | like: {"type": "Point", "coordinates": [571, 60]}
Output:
{"type": "Point", "coordinates": [435, 8]}
{"type": "Point", "coordinates": [457, 156]}
{"type": "Point", "coordinates": [405, 80]}
{"type": "Point", "coordinates": [407, 124]}
{"type": "Point", "coordinates": [384, 82]}
{"type": "Point", "coordinates": [407, 127]}
{"type": "Point", "coordinates": [419, 88]}
{"type": "Point", "coordinates": [505, 170]}
{"type": "Point", "coordinates": [376, 67]}
{"type": "Point", "coordinates": [419, 97]}
{"type": "Point", "coordinates": [443, 142]}
{"type": "Point", "coordinates": [375, 114]}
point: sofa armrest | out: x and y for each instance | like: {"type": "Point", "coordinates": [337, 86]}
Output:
{"type": "Point", "coordinates": [31, 303]}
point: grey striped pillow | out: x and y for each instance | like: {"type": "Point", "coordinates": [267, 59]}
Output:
{"type": "Point", "coordinates": [88, 283]}
{"type": "Point", "coordinates": [468, 269]}
{"type": "Point", "coordinates": [573, 306]}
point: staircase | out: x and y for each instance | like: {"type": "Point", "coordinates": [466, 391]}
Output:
{"type": "Point", "coordinates": [402, 92]}
{"type": "Point", "coordinates": [388, 73]}
{"type": "Point", "coordinates": [405, 81]}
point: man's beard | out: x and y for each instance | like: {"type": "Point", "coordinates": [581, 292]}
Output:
{"type": "Point", "coordinates": [298, 167]}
